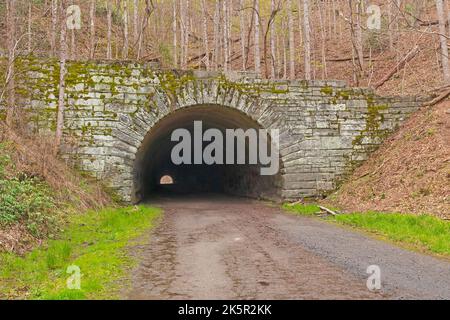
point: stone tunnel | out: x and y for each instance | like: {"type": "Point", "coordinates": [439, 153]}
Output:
{"type": "Point", "coordinates": [153, 158]}
{"type": "Point", "coordinates": [120, 115]}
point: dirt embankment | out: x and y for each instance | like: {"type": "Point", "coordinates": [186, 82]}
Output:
{"type": "Point", "coordinates": [410, 173]}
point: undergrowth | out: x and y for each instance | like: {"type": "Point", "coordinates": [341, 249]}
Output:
{"type": "Point", "coordinates": [38, 191]}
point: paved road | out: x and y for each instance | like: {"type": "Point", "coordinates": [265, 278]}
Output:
{"type": "Point", "coordinates": [218, 247]}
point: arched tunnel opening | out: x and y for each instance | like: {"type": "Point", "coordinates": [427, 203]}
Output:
{"type": "Point", "coordinates": [155, 171]}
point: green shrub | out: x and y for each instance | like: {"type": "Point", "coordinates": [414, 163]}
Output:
{"type": "Point", "coordinates": [23, 198]}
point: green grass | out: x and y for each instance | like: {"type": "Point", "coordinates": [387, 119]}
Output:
{"type": "Point", "coordinates": [302, 209]}
{"type": "Point", "coordinates": [95, 242]}
{"type": "Point", "coordinates": [422, 232]}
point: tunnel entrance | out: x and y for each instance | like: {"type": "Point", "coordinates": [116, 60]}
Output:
{"type": "Point", "coordinates": [153, 160]}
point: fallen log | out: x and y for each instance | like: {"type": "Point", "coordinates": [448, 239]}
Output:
{"type": "Point", "coordinates": [438, 99]}
{"type": "Point", "coordinates": [346, 59]}
{"type": "Point", "coordinates": [400, 65]}
{"type": "Point", "coordinates": [328, 210]}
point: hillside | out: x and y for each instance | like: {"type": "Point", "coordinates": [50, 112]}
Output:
{"type": "Point", "coordinates": [38, 192]}
{"type": "Point", "coordinates": [410, 173]}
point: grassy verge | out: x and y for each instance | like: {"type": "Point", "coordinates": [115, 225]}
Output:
{"type": "Point", "coordinates": [422, 232]}
{"type": "Point", "coordinates": [302, 209]}
{"type": "Point", "coordinates": [94, 242]}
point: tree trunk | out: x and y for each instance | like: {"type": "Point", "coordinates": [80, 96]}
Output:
{"type": "Point", "coordinates": [278, 57]}
{"type": "Point", "coordinates": [109, 31]}
{"type": "Point", "coordinates": [225, 35]}
{"type": "Point", "coordinates": [307, 36]}
{"type": "Point", "coordinates": [10, 74]}
{"type": "Point", "coordinates": [187, 33]}
{"type": "Point", "coordinates": [230, 29]}
{"type": "Point", "coordinates": [125, 30]}
{"type": "Point", "coordinates": [242, 32]}
{"type": "Point", "coordinates": [62, 75]}
{"type": "Point", "coordinates": [92, 26]}
{"type": "Point", "coordinates": [216, 35]}
{"type": "Point", "coordinates": [149, 8]}
{"type": "Point", "coordinates": [257, 37]}
{"type": "Point", "coordinates": [72, 54]}
{"type": "Point", "coordinates": [285, 59]}
{"type": "Point", "coordinates": [184, 34]}
{"type": "Point", "coordinates": [136, 20]}
{"type": "Point", "coordinates": [30, 16]}
{"type": "Point", "coordinates": [300, 23]}
{"type": "Point", "coordinates": [205, 33]}
{"type": "Point", "coordinates": [272, 43]}
{"type": "Point", "coordinates": [390, 22]}
{"type": "Point", "coordinates": [54, 27]}
{"type": "Point", "coordinates": [323, 42]}
{"type": "Point", "coordinates": [174, 31]}
{"type": "Point", "coordinates": [291, 41]}
{"type": "Point", "coordinates": [359, 39]}
{"type": "Point", "coordinates": [333, 8]}
{"type": "Point", "coordinates": [443, 40]}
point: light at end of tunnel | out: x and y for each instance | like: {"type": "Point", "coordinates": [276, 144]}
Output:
{"type": "Point", "coordinates": [166, 180]}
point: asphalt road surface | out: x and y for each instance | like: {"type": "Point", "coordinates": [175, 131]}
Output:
{"type": "Point", "coordinates": [219, 247]}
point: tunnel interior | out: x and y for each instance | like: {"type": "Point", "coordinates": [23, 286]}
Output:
{"type": "Point", "coordinates": [155, 172]}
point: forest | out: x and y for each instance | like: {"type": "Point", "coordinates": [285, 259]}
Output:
{"type": "Point", "coordinates": [396, 46]}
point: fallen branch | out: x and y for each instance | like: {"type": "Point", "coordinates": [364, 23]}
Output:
{"type": "Point", "coordinates": [438, 99]}
{"type": "Point", "coordinates": [346, 59]}
{"type": "Point", "coordinates": [408, 57]}
{"type": "Point", "coordinates": [328, 210]}
{"type": "Point", "coordinates": [294, 203]}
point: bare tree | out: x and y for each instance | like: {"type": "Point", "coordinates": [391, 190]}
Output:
{"type": "Point", "coordinates": [272, 42]}
{"type": "Point", "coordinates": [174, 31]}
{"type": "Point", "coordinates": [184, 33]}
{"type": "Point", "coordinates": [242, 33]}
{"type": "Point", "coordinates": [205, 33]}
{"type": "Point", "coordinates": [30, 17]}
{"type": "Point", "coordinates": [10, 74]}
{"type": "Point", "coordinates": [356, 40]}
{"type": "Point", "coordinates": [92, 29]}
{"type": "Point", "coordinates": [257, 37]}
{"type": "Point", "coordinates": [136, 20]}
{"type": "Point", "coordinates": [307, 36]}
{"type": "Point", "coordinates": [291, 41]}
{"type": "Point", "coordinates": [225, 35]}
{"type": "Point", "coordinates": [323, 41]}
{"type": "Point", "coordinates": [285, 58]}
{"type": "Point", "coordinates": [390, 22]}
{"type": "Point", "coordinates": [125, 30]}
{"type": "Point", "coordinates": [358, 33]}
{"type": "Point", "coordinates": [109, 31]}
{"type": "Point", "coordinates": [62, 77]}
{"type": "Point", "coordinates": [149, 9]}
{"type": "Point", "coordinates": [270, 23]}
{"type": "Point", "coordinates": [443, 40]}
{"type": "Point", "coordinates": [54, 27]}
{"type": "Point", "coordinates": [216, 35]}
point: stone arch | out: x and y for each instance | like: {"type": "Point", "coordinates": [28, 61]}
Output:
{"type": "Point", "coordinates": [153, 158]}
{"type": "Point", "coordinates": [134, 130]}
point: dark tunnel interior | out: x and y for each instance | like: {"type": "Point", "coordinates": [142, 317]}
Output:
{"type": "Point", "coordinates": [154, 171]}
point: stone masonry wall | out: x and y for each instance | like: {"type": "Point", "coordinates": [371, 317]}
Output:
{"type": "Point", "coordinates": [326, 128]}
